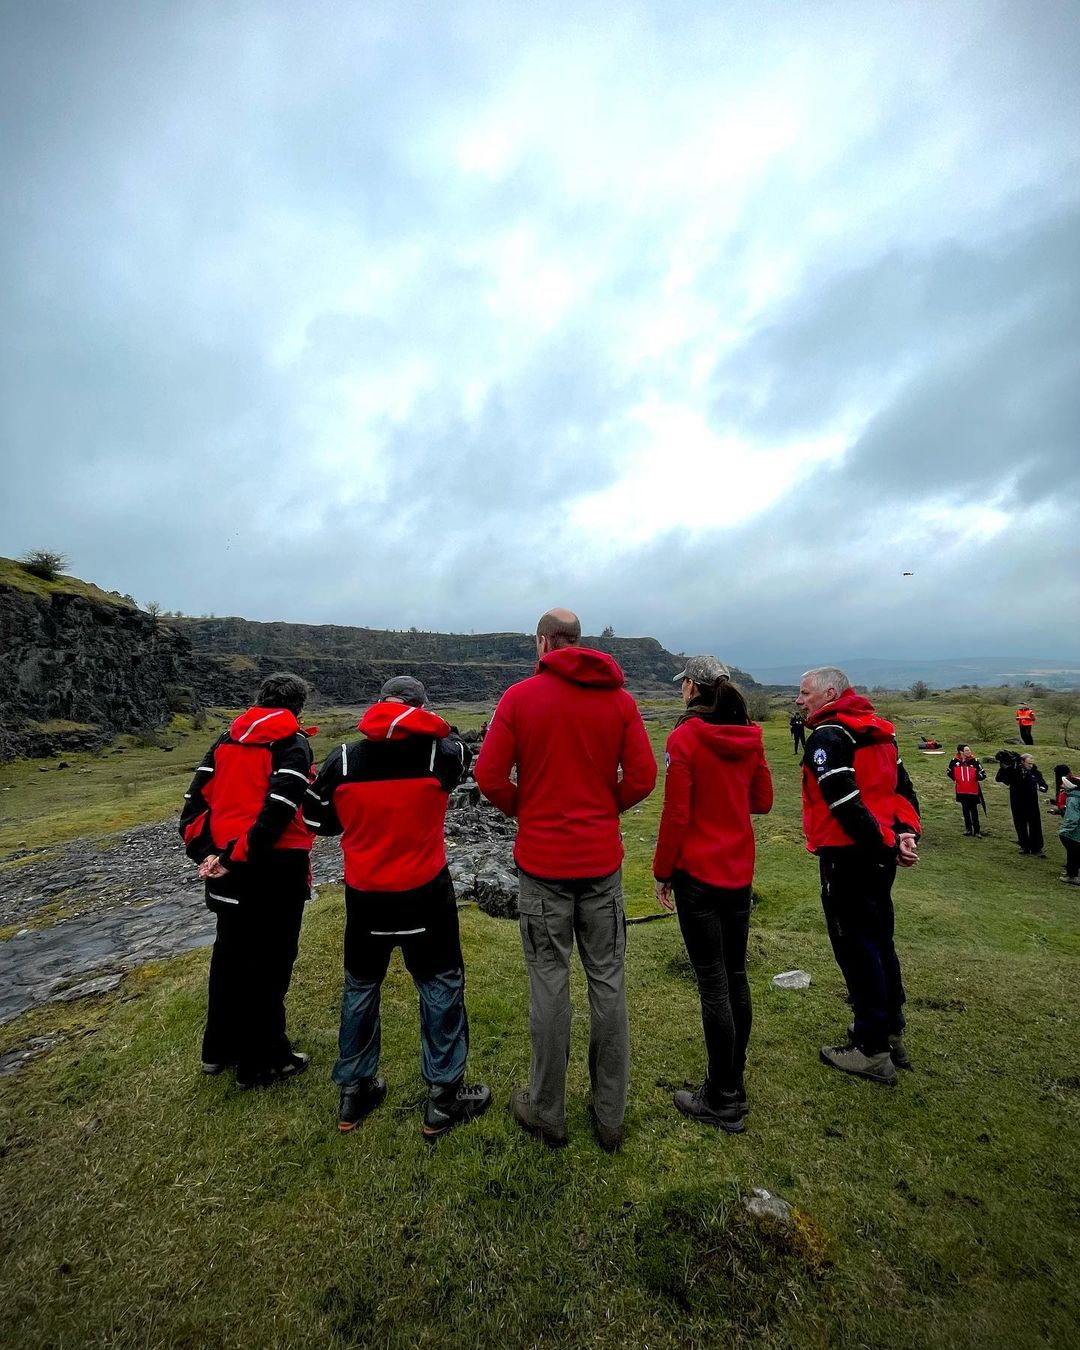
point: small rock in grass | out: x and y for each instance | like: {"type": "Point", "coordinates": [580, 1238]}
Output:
{"type": "Point", "coordinates": [791, 979]}
{"type": "Point", "coordinates": [762, 1204]}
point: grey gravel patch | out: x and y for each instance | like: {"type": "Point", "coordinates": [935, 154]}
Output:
{"type": "Point", "coordinates": [140, 900]}
{"type": "Point", "coordinates": [101, 985]}
{"type": "Point", "coordinates": [14, 1060]}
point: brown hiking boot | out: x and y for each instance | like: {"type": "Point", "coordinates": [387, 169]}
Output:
{"type": "Point", "coordinates": [522, 1111]}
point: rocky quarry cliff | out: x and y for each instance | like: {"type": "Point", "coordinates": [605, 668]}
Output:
{"type": "Point", "coordinates": [78, 664]}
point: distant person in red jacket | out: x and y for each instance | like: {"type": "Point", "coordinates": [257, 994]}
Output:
{"type": "Point", "coordinates": [569, 730]}
{"type": "Point", "coordinates": [386, 795]}
{"type": "Point", "coordinates": [1025, 720]}
{"type": "Point", "coordinates": [861, 819]}
{"type": "Point", "coordinates": [242, 824]}
{"type": "Point", "coordinates": [968, 775]}
{"type": "Point", "coordinates": [717, 776]}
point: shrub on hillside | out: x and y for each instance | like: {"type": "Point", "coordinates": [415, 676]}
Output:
{"type": "Point", "coordinates": [757, 705]}
{"type": "Point", "coordinates": [44, 563]}
{"type": "Point", "coordinates": [918, 691]}
{"type": "Point", "coordinates": [981, 719]}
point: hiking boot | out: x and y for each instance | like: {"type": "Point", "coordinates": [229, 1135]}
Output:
{"type": "Point", "coordinates": [740, 1097]}
{"type": "Point", "coordinates": [897, 1049]}
{"type": "Point", "coordinates": [722, 1109]}
{"type": "Point", "coordinates": [850, 1059]}
{"type": "Point", "coordinates": [609, 1137]}
{"type": "Point", "coordinates": [454, 1105]}
{"type": "Point", "coordinates": [358, 1100]}
{"type": "Point", "coordinates": [522, 1111]}
{"type": "Point", "coordinates": [291, 1067]}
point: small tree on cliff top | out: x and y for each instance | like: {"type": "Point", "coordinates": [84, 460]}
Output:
{"type": "Point", "coordinates": [44, 563]}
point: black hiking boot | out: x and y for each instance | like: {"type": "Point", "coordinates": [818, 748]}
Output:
{"type": "Point", "coordinates": [358, 1101]}
{"type": "Point", "coordinates": [725, 1110]}
{"type": "Point", "coordinates": [290, 1067]}
{"type": "Point", "coordinates": [454, 1105]}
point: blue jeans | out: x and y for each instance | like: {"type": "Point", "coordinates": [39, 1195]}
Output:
{"type": "Point", "coordinates": [444, 1030]}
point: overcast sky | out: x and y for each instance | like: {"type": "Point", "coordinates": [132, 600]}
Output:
{"type": "Point", "coordinates": [708, 320]}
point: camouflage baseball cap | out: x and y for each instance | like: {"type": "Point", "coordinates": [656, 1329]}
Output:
{"type": "Point", "coordinates": [703, 670]}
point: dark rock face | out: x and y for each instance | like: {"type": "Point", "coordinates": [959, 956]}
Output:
{"type": "Point", "coordinates": [348, 665]}
{"type": "Point", "coordinates": [97, 667]}
{"type": "Point", "coordinates": [480, 851]}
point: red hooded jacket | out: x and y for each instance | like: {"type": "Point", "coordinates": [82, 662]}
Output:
{"type": "Point", "coordinates": [717, 776]}
{"type": "Point", "coordinates": [386, 796]}
{"type": "Point", "coordinates": [568, 729]}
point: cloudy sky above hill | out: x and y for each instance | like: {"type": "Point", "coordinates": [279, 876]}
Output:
{"type": "Point", "coordinates": [708, 320]}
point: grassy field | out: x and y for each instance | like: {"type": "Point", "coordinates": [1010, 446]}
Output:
{"type": "Point", "coordinates": [145, 1205]}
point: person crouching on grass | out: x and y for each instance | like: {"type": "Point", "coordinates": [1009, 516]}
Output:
{"type": "Point", "coordinates": [717, 776]}
{"type": "Point", "coordinates": [241, 823]}
{"type": "Point", "coordinates": [386, 795]}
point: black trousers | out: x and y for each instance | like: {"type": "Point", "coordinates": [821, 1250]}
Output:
{"type": "Point", "coordinates": [969, 804]}
{"type": "Point", "coordinates": [1026, 736]}
{"type": "Point", "coordinates": [715, 924]}
{"type": "Point", "coordinates": [1028, 822]}
{"type": "Point", "coordinates": [798, 735]}
{"type": "Point", "coordinates": [259, 908]}
{"type": "Point", "coordinates": [856, 895]}
{"type": "Point", "coordinates": [1072, 857]}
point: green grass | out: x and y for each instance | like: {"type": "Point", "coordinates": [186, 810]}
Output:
{"type": "Point", "coordinates": [11, 574]}
{"type": "Point", "coordinates": [143, 1204]}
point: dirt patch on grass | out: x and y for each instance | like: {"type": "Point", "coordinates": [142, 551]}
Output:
{"type": "Point", "coordinates": [698, 1247]}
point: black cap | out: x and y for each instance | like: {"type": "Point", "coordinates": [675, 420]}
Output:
{"type": "Point", "coordinates": [405, 688]}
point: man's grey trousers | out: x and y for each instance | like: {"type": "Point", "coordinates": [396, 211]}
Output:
{"type": "Point", "coordinates": [552, 914]}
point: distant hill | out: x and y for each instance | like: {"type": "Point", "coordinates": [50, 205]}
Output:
{"type": "Point", "coordinates": [348, 665]}
{"type": "Point", "coordinates": [948, 673]}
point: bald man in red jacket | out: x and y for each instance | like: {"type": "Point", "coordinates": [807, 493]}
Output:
{"type": "Point", "coordinates": [582, 755]}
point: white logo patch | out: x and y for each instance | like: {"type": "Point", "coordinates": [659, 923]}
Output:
{"type": "Point", "coordinates": [667, 760]}
{"type": "Point", "coordinates": [820, 757]}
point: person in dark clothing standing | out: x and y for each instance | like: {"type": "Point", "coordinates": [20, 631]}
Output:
{"type": "Point", "coordinates": [797, 727]}
{"type": "Point", "coordinates": [1024, 781]}
{"type": "Point", "coordinates": [1069, 831]}
{"type": "Point", "coordinates": [967, 774]}
{"type": "Point", "coordinates": [241, 823]}
{"type": "Point", "coordinates": [717, 776]}
{"type": "Point", "coordinates": [386, 795]}
{"type": "Point", "coordinates": [861, 819]}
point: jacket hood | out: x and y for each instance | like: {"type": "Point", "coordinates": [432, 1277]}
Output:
{"type": "Point", "coordinates": [262, 726]}
{"type": "Point", "coordinates": [855, 711]}
{"type": "Point", "coordinates": [581, 665]}
{"type": "Point", "coordinates": [395, 721]}
{"type": "Point", "coordinates": [725, 741]}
